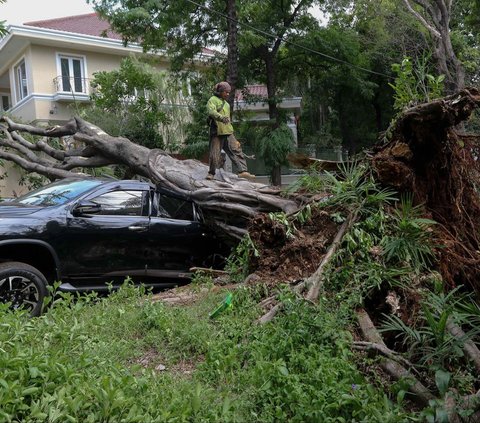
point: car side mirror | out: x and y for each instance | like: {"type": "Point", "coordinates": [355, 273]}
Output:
{"type": "Point", "coordinates": [86, 207]}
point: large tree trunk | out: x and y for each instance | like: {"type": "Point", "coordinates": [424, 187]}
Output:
{"type": "Point", "coordinates": [227, 204]}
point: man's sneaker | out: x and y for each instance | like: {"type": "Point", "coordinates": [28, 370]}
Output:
{"type": "Point", "coordinates": [246, 175]}
{"type": "Point", "coordinates": [210, 176]}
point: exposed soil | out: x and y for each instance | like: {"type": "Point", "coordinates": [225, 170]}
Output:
{"type": "Point", "coordinates": [152, 359]}
{"type": "Point", "coordinates": [290, 258]}
{"type": "Point", "coordinates": [187, 295]}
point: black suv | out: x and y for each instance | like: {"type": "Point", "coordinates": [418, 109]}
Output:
{"type": "Point", "coordinates": [88, 233]}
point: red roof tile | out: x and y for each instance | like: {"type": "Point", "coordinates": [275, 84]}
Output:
{"type": "Point", "coordinates": [89, 24]}
{"type": "Point", "coordinates": [252, 90]}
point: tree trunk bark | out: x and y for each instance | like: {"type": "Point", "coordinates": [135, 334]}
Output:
{"type": "Point", "coordinates": [276, 176]}
{"type": "Point", "coordinates": [232, 45]}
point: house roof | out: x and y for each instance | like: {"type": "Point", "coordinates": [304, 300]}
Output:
{"type": "Point", "coordinates": [259, 91]}
{"type": "Point", "coordinates": [88, 24]}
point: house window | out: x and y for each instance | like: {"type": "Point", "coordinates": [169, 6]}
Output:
{"type": "Point", "coordinates": [72, 74]}
{"type": "Point", "coordinates": [21, 80]}
{"type": "Point", "coordinates": [4, 102]}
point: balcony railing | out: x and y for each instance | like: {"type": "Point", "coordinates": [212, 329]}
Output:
{"type": "Point", "coordinates": [71, 84]}
{"type": "Point", "coordinates": [71, 89]}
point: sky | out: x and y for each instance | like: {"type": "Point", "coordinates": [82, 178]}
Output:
{"type": "Point", "coordinates": [19, 11]}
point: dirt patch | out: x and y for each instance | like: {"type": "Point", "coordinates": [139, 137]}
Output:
{"type": "Point", "coordinates": [285, 258]}
{"type": "Point", "coordinates": [186, 367]}
{"type": "Point", "coordinates": [178, 296]}
{"type": "Point", "coordinates": [152, 359]}
{"type": "Point", "coordinates": [189, 294]}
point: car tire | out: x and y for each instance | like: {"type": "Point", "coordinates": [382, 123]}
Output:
{"type": "Point", "coordinates": [23, 286]}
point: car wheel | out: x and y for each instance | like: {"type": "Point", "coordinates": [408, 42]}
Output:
{"type": "Point", "coordinates": [23, 286]}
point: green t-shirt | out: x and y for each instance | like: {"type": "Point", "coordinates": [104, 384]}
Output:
{"type": "Point", "coordinates": [218, 108]}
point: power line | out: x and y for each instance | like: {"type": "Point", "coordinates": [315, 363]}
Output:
{"type": "Point", "coordinates": [268, 35]}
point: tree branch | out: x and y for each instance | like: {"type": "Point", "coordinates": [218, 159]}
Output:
{"type": "Point", "coordinates": [52, 152]}
{"type": "Point", "coordinates": [430, 28]}
{"type": "Point", "coordinates": [39, 146]}
{"type": "Point", "coordinates": [58, 131]}
{"type": "Point", "coordinates": [9, 142]}
{"type": "Point", "coordinates": [382, 349]}
{"type": "Point", "coordinates": [315, 281]}
{"type": "Point", "coordinates": [49, 172]}
{"type": "Point", "coordinates": [72, 162]}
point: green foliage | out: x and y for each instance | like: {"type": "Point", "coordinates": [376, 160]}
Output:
{"type": "Point", "coordinates": [288, 222]}
{"type": "Point", "coordinates": [238, 263]}
{"type": "Point", "coordinates": [32, 180]}
{"type": "Point", "coordinates": [382, 249]}
{"type": "Point", "coordinates": [311, 182]}
{"type": "Point", "coordinates": [413, 84]}
{"type": "Point", "coordinates": [362, 273]}
{"type": "Point", "coordinates": [93, 359]}
{"type": "Point", "coordinates": [275, 146]}
{"type": "Point", "coordinates": [354, 187]}
{"type": "Point", "coordinates": [410, 240]}
{"type": "Point", "coordinates": [349, 186]}
{"type": "Point", "coordinates": [430, 344]}
{"type": "Point", "coordinates": [282, 219]}
{"type": "Point", "coordinates": [201, 280]}
{"type": "Point", "coordinates": [342, 105]}
{"type": "Point", "coordinates": [139, 102]}
{"type": "Point", "coordinates": [297, 366]}
{"type": "Point", "coordinates": [465, 35]}
{"type": "Point", "coordinates": [180, 28]}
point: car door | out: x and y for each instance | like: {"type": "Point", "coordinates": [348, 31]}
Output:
{"type": "Point", "coordinates": [109, 243]}
{"type": "Point", "coordinates": [176, 239]}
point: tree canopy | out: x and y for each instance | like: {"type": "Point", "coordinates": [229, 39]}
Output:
{"type": "Point", "coordinates": [341, 68]}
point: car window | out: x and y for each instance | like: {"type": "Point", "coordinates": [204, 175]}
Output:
{"type": "Point", "coordinates": [57, 193]}
{"type": "Point", "coordinates": [121, 202]}
{"type": "Point", "coordinates": [175, 208]}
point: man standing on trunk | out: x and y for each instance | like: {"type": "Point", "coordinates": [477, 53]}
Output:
{"type": "Point", "coordinates": [221, 133]}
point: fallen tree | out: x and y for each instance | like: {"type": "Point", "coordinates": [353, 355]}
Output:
{"type": "Point", "coordinates": [423, 153]}
{"type": "Point", "coordinates": [227, 203]}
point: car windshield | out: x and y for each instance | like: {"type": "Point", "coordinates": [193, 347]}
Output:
{"type": "Point", "coordinates": [57, 193]}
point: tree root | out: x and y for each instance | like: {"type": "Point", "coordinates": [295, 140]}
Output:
{"type": "Point", "coordinates": [268, 317]}
{"type": "Point", "coordinates": [383, 350]}
{"type": "Point", "coordinates": [421, 395]}
{"type": "Point", "coordinates": [471, 350]}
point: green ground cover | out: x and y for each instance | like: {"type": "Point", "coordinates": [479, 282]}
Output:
{"type": "Point", "coordinates": [125, 358]}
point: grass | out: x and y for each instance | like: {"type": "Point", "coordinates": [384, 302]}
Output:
{"type": "Point", "coordinates": [95, 360]}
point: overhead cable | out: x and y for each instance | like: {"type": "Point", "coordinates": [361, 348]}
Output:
{"type": "Point", "coordinates": [273, 36]}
